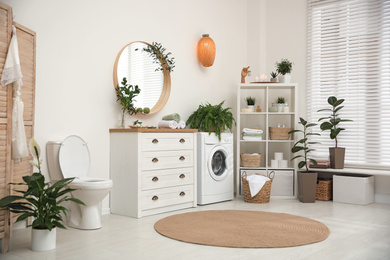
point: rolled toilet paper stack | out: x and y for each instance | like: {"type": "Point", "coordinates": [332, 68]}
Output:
{"type": "Point", "coordinates": [278, 161]}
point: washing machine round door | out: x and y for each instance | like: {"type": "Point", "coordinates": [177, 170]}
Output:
{"type": "Point", "coordinates": [217, 165]}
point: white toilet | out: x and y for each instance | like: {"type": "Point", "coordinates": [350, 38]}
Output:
{"type": "Point", "coordinates": [71, 158]}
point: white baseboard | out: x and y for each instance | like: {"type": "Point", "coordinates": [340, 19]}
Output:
{"type": "Point", "coordinates": [106, 211]}
{"type": "Point", "coordinates": [382, 198]}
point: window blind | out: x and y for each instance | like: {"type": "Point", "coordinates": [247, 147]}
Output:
{"type": "Point", "coordinates": [349, 57]}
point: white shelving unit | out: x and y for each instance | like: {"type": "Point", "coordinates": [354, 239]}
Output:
{"type": "Point", "coordinates": [266, 94]}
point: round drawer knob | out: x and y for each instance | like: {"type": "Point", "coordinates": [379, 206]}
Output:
{"type": "Point", "coordinates": [155, 179]}
{"type": "Point", "coordinates": [182, 140]}
{"type": "Point", "coordinates": [182, 158]}
{"type": "Point", "coordinates": [155, 198]}
{"type": "Point", "coordinates": [155, 141]}
{"type": "Point", "coordinates": [154, 160]}
{"type": "Point", "coordinates": [182, 176]}
{"type": "Point", "coordinates": [182, 193]}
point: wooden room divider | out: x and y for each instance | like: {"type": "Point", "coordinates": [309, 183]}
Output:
{"type": "Point", "coordinates": [10, 172]}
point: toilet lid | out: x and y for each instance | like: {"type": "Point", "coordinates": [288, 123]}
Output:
{"type": "Point", "coordinates": [74, 157]}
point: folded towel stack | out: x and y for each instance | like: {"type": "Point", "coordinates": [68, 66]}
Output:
{"type": "Point", "coordinates": [256, 183]}
{"type": "Point", "coordinates": [320, 164]}
{"type": "Point", "coordinates": [251, 134]}
{"type": "Point", "coordinates": [172, 121]}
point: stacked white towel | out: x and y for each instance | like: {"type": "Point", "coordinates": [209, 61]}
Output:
{"type": "Point", "coordinates": [171, 124]}
{"type": "Point", "coordinates": [167, 124]}
{"type": "Point", "coordinates": [251, 134]}
{"type": "Point", "coordinates": [256, 183]}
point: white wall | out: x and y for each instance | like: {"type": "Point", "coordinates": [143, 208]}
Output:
{"type": "Point", "coordinates": [78, 41]}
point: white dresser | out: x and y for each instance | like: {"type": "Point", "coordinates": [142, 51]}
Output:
{"type": "Point", "coordinates": [153, 170]}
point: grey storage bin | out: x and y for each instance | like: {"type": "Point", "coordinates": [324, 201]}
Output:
{"type": "Point", "coordinates": [353, 188]}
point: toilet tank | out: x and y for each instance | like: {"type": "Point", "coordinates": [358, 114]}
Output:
{"type": "Point", "coordinates": [52, 151]}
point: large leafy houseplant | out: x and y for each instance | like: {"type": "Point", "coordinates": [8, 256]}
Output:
{"type": "Point", "coordinates": [209, 118]}
{"type": "Point", "coordinates": [303, 144]}
{"type": "Point", "coordinates": [41, 200]}
{"type": "Point", "coordinates": [284, 66]}
{"type": "Point", "coordinates": [332, 123]}
{"type": "Point", "coordinates": [307, 180]}
{"type": "Point", "coordinates": [125, 95]}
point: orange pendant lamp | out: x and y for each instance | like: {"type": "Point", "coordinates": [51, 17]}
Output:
{"type": "Point", "coordinates": [206, 50]}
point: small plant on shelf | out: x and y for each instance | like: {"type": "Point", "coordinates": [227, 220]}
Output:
{"type": "Point", "coordinates": [280, 100]}
{"type": "Point", "coordinates": [274, 75]}
{"type": "Point", "coordinates": [250, 101]}
{"type": "Point", "coordinates": [284, 67]}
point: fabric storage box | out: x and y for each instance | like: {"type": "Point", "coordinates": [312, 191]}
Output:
{"type": "Point", "coordinates": [353, 188]}
{"type": "Point", "coordinates": [283, 183]}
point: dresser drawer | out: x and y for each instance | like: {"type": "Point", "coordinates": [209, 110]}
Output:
{"type": "Point", "coordinates": [166, 141]}
{"type": "Point", "coordinates": [167, 159]}
{"type": "Point", "coordinates": [166, 178]}
{"type": "Point", "coordinates": [166, 197]}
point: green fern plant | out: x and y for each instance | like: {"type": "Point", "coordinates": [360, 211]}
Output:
{"type": "Point", "coordinates": [209, 118]}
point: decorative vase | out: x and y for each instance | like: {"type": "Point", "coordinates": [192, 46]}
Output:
{"type": "Point", "coordinates": [284, 78]}
{"type": "Point", "coordinates": [123, 120]}
{"type": "Point", "coordinates": [337, 156]}
{"type": "Point", "coordinates": [307, 186]}
{"type": "Point", "coordinates": [43, 239]}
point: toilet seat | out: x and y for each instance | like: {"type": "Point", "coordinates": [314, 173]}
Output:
{"type": "Point", "coordinates": [90, 183]}
{"type": "Point", "coordinates": [74, 157]}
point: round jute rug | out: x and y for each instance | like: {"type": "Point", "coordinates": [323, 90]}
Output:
{"type": "Point", "coordinates": [246, 229]}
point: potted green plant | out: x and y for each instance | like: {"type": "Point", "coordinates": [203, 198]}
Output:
{"type": "Point", "coordinates": [280, 102]}
{"type": "Point", "coordinates": [274, 76]}
{"type": "Point", "coordinates": [284, 68]}
{"type": "Point", "coordinates": [42, 201]}
{"type": "Point", "coordinates": [307, 180]}
{"type": "Point", "coordinates": [125, 95]}
{"type": "Point", "coordinates": [336, 154]}
{"type": "Point", "coordinates": [209, 118]}
{"type": "Point", "coordinates": [250, 101]}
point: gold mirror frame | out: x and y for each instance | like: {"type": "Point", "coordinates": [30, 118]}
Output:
{"type": "Point", "coordinates": [166, 90]}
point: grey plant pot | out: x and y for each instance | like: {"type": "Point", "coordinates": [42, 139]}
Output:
{"type": "Point", "coordinates": [337, 156]}
{"type": "Point", "coordinates": [307, 185]}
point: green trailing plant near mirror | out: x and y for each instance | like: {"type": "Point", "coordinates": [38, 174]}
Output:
{"type": "Point", "coordinates": [209, 118]}
{"type": "Point", "coordinates": [157, 51]}
{"type": "Point", "coordinates": [303, 144]}
{"type": "Point", "coordinates": [42, 200]}
{"type": "Point", "coordinates": [332, 122]}
{"type": "Point", "coordinates": [125, 95]}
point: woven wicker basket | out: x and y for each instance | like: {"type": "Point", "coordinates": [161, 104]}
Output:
{"type": "Point", "coordinates": [263, 195]}
{"type": "Point", "coordinates": [324, 190]}
{"type": "Point", "coordinates": [250, 160]}
{"type": "Point", "coordinates": [279, 133]}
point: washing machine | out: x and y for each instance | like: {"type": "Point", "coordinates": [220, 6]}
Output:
{"type": "Point", "coordinates": [215, 168]}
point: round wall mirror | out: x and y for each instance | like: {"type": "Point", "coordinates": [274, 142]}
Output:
{"type": "Point", "coordinates": [139, 68]}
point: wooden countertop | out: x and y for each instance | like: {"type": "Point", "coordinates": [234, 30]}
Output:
{"type": "Point", "coordinates": [151, 130]}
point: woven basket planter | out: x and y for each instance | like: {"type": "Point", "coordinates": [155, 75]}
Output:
{"type": "Point", "coordinates": [250, 160]}
{"type": "Point", "coordinates": [263, 195]}
{"type": "Point", "coordinates": [279, 133]}
{"type": "Point", "coordinates": [324, 190]}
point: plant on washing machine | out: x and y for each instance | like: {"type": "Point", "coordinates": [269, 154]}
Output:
{"type": "Point", "coordinates": [42, 201]}
{"type": "Point", "coordinates": [209, 118]}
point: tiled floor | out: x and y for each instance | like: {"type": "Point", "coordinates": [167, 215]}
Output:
{"type": "Point", "coordinates": [357, 232]}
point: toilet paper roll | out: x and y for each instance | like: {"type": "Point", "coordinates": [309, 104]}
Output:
{"type": "Point", "coordinates": [278, 156]}
{"type": "Point", "coordinates": [283, 164]}
{"type": "Point", "coordinates": [274, 164]}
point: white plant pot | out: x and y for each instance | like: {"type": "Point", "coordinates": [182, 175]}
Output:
{"type": "Point", "coordinates": [280, 107]}
{"type": "Point", "coordinates": [284, 78]}
{"type": "Point", "coordinates": [252, 108]}
{"type": "Point", "coordinates": [43, 239]}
